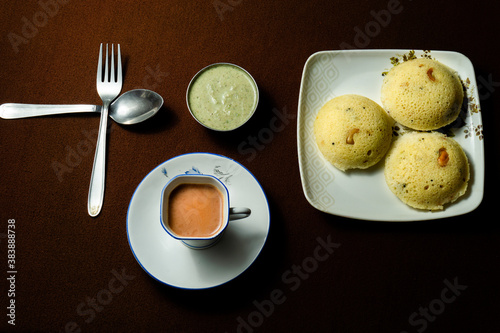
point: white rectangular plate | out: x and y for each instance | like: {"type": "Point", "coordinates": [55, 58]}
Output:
{"type": "Point", "coordinates": [363, 194]}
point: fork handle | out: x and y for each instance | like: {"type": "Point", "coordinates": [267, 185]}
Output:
{"type": "Point", "coordinates": [97, 179]}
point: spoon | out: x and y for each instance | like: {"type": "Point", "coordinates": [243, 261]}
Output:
{"type": "Point", "coordinates": [132, 107]}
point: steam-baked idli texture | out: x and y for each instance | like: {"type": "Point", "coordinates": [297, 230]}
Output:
{"type": "Point", "coordinates": [426, 170]}
{"type": "Point", "coordinates": [353, 132]}
{"type": "Point", "coordinates": [422, 94]}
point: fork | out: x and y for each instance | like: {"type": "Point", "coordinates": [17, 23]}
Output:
{"type": "Point", "coordinates": [108, 88]}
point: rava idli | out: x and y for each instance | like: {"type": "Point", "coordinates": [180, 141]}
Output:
{"type": "Point", "coordinates": [353, 132]}
{"type": "Point", "coordinates": [426, 170]}
{"type": "Point", "coordinates": [422, 94]}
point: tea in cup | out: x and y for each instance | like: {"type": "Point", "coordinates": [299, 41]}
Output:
{"type": "Point", "coordinates": [195, 210]}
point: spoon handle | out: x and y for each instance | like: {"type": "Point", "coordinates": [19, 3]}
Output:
{"type": "Point", "coordinates": [20, 110]}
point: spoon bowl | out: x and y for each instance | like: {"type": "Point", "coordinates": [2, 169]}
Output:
{"type": "Point", "coordinates": [135, 106]}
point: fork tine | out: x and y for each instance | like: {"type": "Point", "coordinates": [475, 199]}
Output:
{"type": "Point", "coordinates": [119, 66]}
{"type": "Point", "coordinates": [99, 65]}
{"type": "Point", "coordinates": [106, 65]}
{"type": "Point", "coordinates": [112, 71]}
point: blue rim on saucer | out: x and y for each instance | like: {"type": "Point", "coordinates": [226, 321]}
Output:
{"type": "Point", "coordinates": [170, 262]}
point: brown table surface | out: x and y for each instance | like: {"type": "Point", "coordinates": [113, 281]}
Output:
{"type": "Point", "coordinates": [434, 276]}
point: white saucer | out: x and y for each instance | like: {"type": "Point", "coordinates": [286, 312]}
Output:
{"type": "Point", "coordinates": [167, 259]}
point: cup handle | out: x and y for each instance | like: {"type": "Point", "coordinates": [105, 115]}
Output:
{"type": "Point", "coordinates": [236, 213]}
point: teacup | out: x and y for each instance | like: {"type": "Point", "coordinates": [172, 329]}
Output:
{"type": "Point", "coordinates": [195, 210]}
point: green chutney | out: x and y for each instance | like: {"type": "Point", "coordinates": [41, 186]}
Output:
{"type": "Point", "coordinates": [222, 97]}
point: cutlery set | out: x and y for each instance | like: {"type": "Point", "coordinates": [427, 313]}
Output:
{"type": "Point", "coordinates": [136, 106]}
